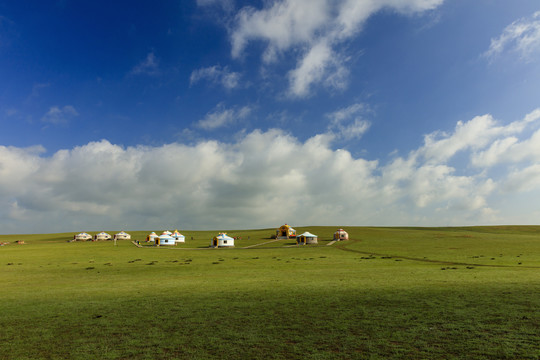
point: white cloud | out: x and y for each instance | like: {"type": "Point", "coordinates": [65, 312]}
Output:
{"type": "Point", "coordinates": [218, 184]}
{"type": "Point", "coordinates": [59, 115]}
{"type": "Point", "coordinates": [311, 30]}
{"type": "Point", "coordinates": [216, 75]}
{"type": "Point", "coordinates": [149, 66]}
{"type": "Point", "coordinates": [522, 37]}
{"type": "Point", "coordinates": [475, 135]}
{"type": "Point", "coordinates": [348, 123]}
{"type": "Point", "coordinates": [223, 117]}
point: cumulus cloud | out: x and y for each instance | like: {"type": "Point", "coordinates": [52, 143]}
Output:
{"type": "Point", "coordinates": [521, 37]}
{"type": "Point", "coordinates": [267, 178]}
{"type": "Point", "coordinates": [149, 66]}
{"type": "Point", "coordinates": [223, 116]}
{"type": "Point", "coordinates": [216, 75]}
{"type": "Point", "coordinates": [59, 115]}
{"type": "Point", "coordinates": [312, 31]}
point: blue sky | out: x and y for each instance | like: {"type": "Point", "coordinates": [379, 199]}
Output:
{"type": "Point", "coordinates": [216, 114]}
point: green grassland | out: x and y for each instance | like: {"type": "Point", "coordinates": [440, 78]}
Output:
{"type": "Point", "coordinates": [404, 293]}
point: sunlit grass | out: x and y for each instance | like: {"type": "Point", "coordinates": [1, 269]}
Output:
{"type": "Point", "coordinates": [388, 293]}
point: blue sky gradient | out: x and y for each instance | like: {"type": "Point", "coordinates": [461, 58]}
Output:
{"type": "Point", "coordinates": [215, 114]}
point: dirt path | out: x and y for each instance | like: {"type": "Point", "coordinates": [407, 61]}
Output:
{"type": "Point", "coordinates": [267, 242]}
{"type": "Point", "coordinates": [442, 262]}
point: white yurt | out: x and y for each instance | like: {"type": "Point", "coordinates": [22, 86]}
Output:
{"type": "Point", "coordinates": [82, 237]}
{"type": "Point", "coordinates": [122, 235]}
{"type": "Point", "coordinates": [165, 239]}
{"type": "Point", "coordinates": [341, 234]}
{"type": "Point", "coordinates": [222, 240]}
{"type": "Point", "coordinates": [102, 236]}
{"type": "Point", "coordinates": [152, 236]}
{"type": "Point", "coordinates": [179, 238]}
{"type": "Point", "coordinates": [166, 232]}
{"type": "Point", "coordinates": [306, 238]}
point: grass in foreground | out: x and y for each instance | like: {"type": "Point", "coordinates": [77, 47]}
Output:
{"type": "Point", "coordinates": [94, 300]}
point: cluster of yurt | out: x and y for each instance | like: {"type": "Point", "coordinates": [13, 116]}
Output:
{"type": "Point", "coordinates": [166, 238]}
{"type": "Point", "coordinates": [83, 236]}
{"type": "Point", "coordinates": [285, 232]}
{"type": "Point", "coordinates": [222, 240]}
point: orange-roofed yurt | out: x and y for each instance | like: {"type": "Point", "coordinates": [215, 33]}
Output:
{"type": "Point", "coordinates": [341, 234]}
{"type": "Point", "coordinates": [82, 237]}
{"type": "Point", "coordinates": [102, 236]}
{"type": "Point", "coordinates": [285, 232]}
{"type": "Point", "coordinates": [306, 238]}
{"type": "Point", "coordinates": [122, 235]}
{"type": "Point", "coordinates": [222, 240]}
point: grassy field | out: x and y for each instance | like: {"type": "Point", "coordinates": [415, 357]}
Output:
{"type": "Point", "coordinates": [404, 293]}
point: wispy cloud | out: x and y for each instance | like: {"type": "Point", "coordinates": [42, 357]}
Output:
{"type": "Point", "coordinates": [521, 37]}
{"type": "Point", "coordinates": [223, 116]}
{"type": "Point", "coordinates": [149, 66]}
{"type": "Point", "coordinates": [218, 184]}
{"type": "Point", "coordinates": [216, 75]}
{"type": "Point", "coordinates": [314, 30]}
{"type": "Point", "coordinates": [59, 115]}
{"type": "Point", "coordinates": [349, 123]}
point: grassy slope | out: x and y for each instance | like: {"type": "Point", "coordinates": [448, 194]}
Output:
{"type": "Point", "coordinates": [94, 300]}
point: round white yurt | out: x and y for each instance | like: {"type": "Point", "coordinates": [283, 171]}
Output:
{"type": "Point", "coordinates": [122, 235]}
{"type": "Point", "coordinates": [102, 236]}
{"type": "Point", "coordinates": [341, 234]}
{"type": "Point", "coordinates": [179, 238]}
{"type": "Point", "coordinates": [306, 238]}
{"type": "Point", "coordinates": [222, 240]}
{"type": "Point", "coordinates": [152, 236]}
{"type": "Point", "coordinates": [165, 239]}
{"type": "Point", "coordinates": [82, 237]}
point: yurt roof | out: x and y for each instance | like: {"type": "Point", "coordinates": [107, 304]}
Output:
{"type": "Point", "coordinates": [122, 233]}
{"type": "Point", "coordinates": [166, 232]}
{"type": "Point", "coordinates": [153, 233]}
{"type": "Point", "coordinates": [308, 234]}
{"type": "Point", "coordinates": [224, 237]}
{"type": "Point", "coordinates": [165, 236]}
{"type": "Point", "coordinates": [103, 233]}
{"type": "Point", "coordinates": [83, 233]}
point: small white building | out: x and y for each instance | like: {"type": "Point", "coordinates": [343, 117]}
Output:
{"type": "Point", "coordinates": [122, 235]}
{"type": "Point", "coordinates": [306, 238]}
{"type": "Point", "coordinates": [222, 240]}
{"type": "Point", "coordinates": [152, 236]}
{"type": "Point", "coordinates": [165, 239]}
{"type": "Point", "coordinates": [341, 234]}
{"type": "Point", "coordinates": [82, 237]}
{"type": "Point", "coordinates": [179, 238]}
{"type": "Point", "coordinates": [102, 236]}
